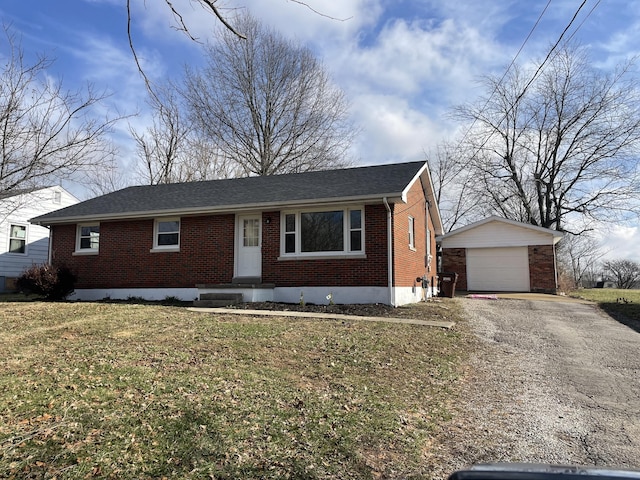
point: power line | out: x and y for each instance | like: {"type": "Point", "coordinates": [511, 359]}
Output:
{"type": "Point", "coordinates": [555, 45]}
{"type": "Point", "coordinates": [535, 75]}
{"type": "Point", "coordinates": [513, 61]}
{"type": "Point", "coordinates": [584, 20]}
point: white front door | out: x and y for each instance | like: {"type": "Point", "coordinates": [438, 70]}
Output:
{"type": "Point", "coordinates": [249, 243]}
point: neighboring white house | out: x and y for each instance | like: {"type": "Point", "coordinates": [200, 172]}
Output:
{"type": "Point", "coordinates": [23, 244]}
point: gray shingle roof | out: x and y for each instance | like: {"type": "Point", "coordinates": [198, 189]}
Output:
{"type": "Point", "coordinates": [344, 184]}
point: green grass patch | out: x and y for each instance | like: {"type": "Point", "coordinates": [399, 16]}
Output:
{"type": "Point", "coordinates": [147, 391]}
{"type": "Point", "coordinates": [623, 305]}
{"type": "Point", "coordinates": [18, 297]}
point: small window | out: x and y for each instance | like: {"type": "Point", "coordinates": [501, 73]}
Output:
{"type": "Point", "coordinates": [167, 233]}
{"type": "Point", "coordinates": [57, 197]}
{"type": "Point", "coordinates": [355, 230]}
{"type": "Point", "coordinates": [88, 238]}
{"type": "Point", "coordinates": [412, 233]}
{"type": "Point", "coordinates": [290, 233]}
{"type": "Point", "coordinates": [18, 239]}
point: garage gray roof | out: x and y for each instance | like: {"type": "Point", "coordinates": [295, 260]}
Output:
{"type": "Point", "coordinates": [354, 184]}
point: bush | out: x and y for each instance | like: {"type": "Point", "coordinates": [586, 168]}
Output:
{"type": "Point", "coordinates": [50, 281]}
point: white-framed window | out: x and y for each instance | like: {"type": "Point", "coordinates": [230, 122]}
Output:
{"type": "Point", "coordinates": [88, 238]}
{"type": "Point", "coordinates": [166, 234]}
{"type": "Point", "coordinates": [330, 231]}
{"type": "Point", "coordinates": [57, 197]}
{"type": "Point", "coordinates": [18, 239]}
{"type": "Point", "coordinates": [412, 233]}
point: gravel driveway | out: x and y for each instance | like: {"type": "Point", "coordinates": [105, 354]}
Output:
{"type": "Point", "coordinates": [550, 383]}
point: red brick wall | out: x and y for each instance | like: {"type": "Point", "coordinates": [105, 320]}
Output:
{"type": "Point", "coordinates": [370, 271]}
{"type": "Point", "coordinates": [125, 260]}
{"type": "Point", "coordinates": [455, 260]}
{"type": "Point", "coordinates": [408, 263]}
{"type": "Point", "coordinates": [542, 273]}
{"type": "Point", "coordinates": [207, 255]}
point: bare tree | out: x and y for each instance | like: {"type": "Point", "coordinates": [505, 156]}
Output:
{"type": "Point", "coordinates": [454, 185]}
{"type": "Point", "coordinates": [109, 178]}
{"type": "Point", "coordinates": [558, 147]}
{"type": "Point", "coordinates": [210, 7]}
{"type": "Point", "coordinates": [161, 147]}
{"type": "Point", "coordinates": [268, 104]}
{"type": "Point", "coordinates": [172, 150]}
{"type": "Point", "coordinates": [626, 273]}
{"type": "Point", "coordinates": [579, 258]}
{"type": "Point", "coordinates": [46, 133]}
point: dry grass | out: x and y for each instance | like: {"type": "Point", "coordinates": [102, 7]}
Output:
{"type": "Point", "coordinates": [141, 391]}
{"type": "Point", "coordinates": [623, 305]}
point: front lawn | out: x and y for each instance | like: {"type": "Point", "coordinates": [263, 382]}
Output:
{"type": "Point", "coordinates": [142, 391]}
{"type": "Point", "coordinates": [623, 305]}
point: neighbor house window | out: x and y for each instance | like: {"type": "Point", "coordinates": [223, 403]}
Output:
{"type": "Point", "coordinates": [57, 197]}
{"type": "Point", "coordinates": [335, 231]}
{"type": "Point", "coordinates": [18, 239]}
{"type": "Point", "coordinates": [412, 233]}
{"type": "Point", "coordinates": [167, 233]}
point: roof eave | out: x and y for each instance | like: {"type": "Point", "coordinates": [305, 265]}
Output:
{"type": "Point", "coordinates": [425, 175]}
{"type": "Point", "coordinates": [557, 236]}
{"type": "Point", "coordinates": [391, 197]}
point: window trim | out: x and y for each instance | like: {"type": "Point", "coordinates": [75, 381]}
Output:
{"type": "Point", "coordinates": [26, 236]}
{"type": "Point", "coordinates": [412, 233]}
{"type": "Point", "coordinates": [157, 233]}
{"type": "Point", "coordinates": [346, 231]}
{"type": "Point", "coordinates": [86, 251]}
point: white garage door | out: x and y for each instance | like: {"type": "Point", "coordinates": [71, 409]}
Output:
{"type": "Point", "coordinates": [498, 269]}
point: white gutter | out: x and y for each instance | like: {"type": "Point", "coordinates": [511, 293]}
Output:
{"type": "Point", "coordinates": [50, 253]}
{"type": "Point", "coordinates": [392, 296]}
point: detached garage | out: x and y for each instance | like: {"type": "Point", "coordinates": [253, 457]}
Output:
{"type": "Point", "coordinates": [500, 255]}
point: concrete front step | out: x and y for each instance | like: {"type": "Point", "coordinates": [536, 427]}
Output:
{"type": "Point", "coordinates": [213, 300]}
{"type": "Point", "coordinates": [213, 303]}
{"type": "Point", "coordinates": [234, 297]}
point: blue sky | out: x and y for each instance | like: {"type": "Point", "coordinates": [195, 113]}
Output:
{"type": "Point", "coordinates": [402, 63]}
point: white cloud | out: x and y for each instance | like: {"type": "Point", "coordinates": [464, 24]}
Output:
{"type": "Point", "coordinates": [621, 242]}
{"type": "Point", "coordinates": [421, 57]}
{"type": "Point", "coordinates": [392, 130]}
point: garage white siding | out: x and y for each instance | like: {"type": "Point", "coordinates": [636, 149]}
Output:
{"type": "Point", "coordinates": [500, 269]}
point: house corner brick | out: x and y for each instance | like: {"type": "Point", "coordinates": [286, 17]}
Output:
{"type": "Point", "coordinates": [542, 272]}
{"type": "Point", "coordinates": [455, 260]}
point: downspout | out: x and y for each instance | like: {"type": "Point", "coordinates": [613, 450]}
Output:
{"type": "Point", "coordinates": [50, 253]}
{"type": "Point", "coordinates": [555, 269]}
{"type": "Point", "coordinates": [392, 296]}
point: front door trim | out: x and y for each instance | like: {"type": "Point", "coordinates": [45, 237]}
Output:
{"type": "Point", "coordinates": [248, 248]}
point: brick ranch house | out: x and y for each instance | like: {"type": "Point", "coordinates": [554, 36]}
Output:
{"type": "Point", "coordinates": [363, 235]}
{"type": "Point", "coordinates": [498, 255]}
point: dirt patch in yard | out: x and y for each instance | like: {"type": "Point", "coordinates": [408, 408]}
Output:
{"type": "Point", "coordinates": [436, 309]}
